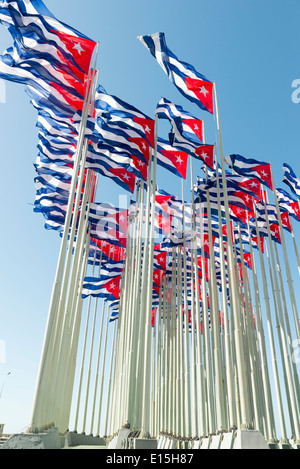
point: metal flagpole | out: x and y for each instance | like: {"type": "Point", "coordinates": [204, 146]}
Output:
{"type": "Point", "coordinates": [102, 376]}
{"type": "Point", "coordinates": [295, 247]}
{"type": "Point", "coordinates": [97, 372]}
{"type": "Point", "coordinates": [108, 407]}
{"type": "Point", "coordinates": [84, 349]}
{"type": "Point", "coordinates": [145, 422]}
{"type": "Point", "coordinates": [271, 335]}
{"type": "Point", "coordinates": [290, 394]}
{"type": "Point", "coordinates": [47, 351]}
{"type": "Point", "coordinates": [248, 319]}
{"type": "Point", "coordinates": [287, 322]}
{"type": "Point", "coordinates": [287, 267]}
{"type": "Point", "coordinates": [214, 314]}
{"type": "Point", "coordinates": [242, 382]}
{"type": "Point", "coordinates": [227, 338]}
{"type": "Point", "coordinates": [269, 420]}
{"type": "Point", "coordinates": [186, 333]}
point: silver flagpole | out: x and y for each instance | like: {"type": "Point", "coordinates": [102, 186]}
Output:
{"type": "Point", "coordinates": [227, 338]}
{"type": "Point", "coordinates": [287, 267]}
{"type": "Point", "coordinates": [214, 314]}
{"type": "Point", "coordinates": [108, 408]}
{"type": "Point", "coordinates": [290, 393]}
{"type": "Point", "coordinates": [242, 382]}
{"type": "Point", "coordinates": [186, 333]}
{"type": "Point", "coordinates": [47, 349]}
{"type": "Point", "coordinates": [287, 322]}
{"type": "Point", "coordinates": [42, 404]}
{"type": "Point", "coordinates": [84, 350]}
{"type": "Point", "coordinates": [271, 335]}
{"type": "Point", "coordinates": [102, 375]}
{"type": "Point", "coordinates": [145, 422]}
{"type": "Point", "coordinates": [269, 420]}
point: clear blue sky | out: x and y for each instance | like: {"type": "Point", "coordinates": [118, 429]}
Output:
{"type": "Point", "coordinates": [251, 51]}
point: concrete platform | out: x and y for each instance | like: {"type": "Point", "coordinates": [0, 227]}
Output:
{"type": "Point", "coordinates": [79, 439]}
{"type": "Point", "coordinates": [47, 440]}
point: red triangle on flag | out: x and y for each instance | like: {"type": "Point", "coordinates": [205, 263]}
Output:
{"type": "Point", "coordinates": [81, 48]}
{"type": "Point", "coordinates": [203, 90]}
{"type": "Point", "coordinates": [196, 126]}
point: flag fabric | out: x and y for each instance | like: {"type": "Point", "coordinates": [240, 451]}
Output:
{"type": "Point", "coordinates": [291, 179]}
{"type": "Point", "coordinates": [95, 157]}
{"type": "Point", "coordinates": [251, 168]}
{"type": "Point", "coordinates": [191, 84]}
{"type": "Point", "coordinates": [172, 159]}
{"type": "Point", "coordinates": [52, 60]}
{"type": "Point", "coordinates": [39, 33]}
{"type": "Point", "coordinates": [101, 288]}
{"type": "Point", "coordinates": [125, 138]}
{"type": "Point", "coordinates": [118, 112]}
{"type": "Point", "coordinates": [185, 127]}
{"type": "Point", "coordinates": [288, 203]}
{"type": "Point", "coordinates": [206, 154]}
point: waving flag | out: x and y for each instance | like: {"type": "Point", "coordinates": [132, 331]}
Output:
{"type": "Point", "coordinates": [287, 203]}
{"type": "Point", "coordinates": [172, 159]}
{"type": "Point", "coordinates": [40, 34]}
{"type": "Point", "coordinates": [251, 168]}
{"type": "Point", "coordinates": [194, 86]}
{"type": "Point", "coordinates": [96, 155]}
{"type": "Point", "coordinates": [102, 288]}
{"type": "Point", "coordinates": [206, 154]}
{"type": "Point", "coordinates": [123, 114]}
{"type": "Point", "coordinates": [291, 179]}
{"type": "Point", "coordinates": [185, 126]}
{"type": "Point", "coordinates": [121, 138]}
{"type": "Point", "coordinates": [286, 223]}
{"type": "Point", "coordinates": [107, 167]}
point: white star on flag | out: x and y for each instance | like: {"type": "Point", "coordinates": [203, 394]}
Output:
{"type": "Point", "coordinates": [203, 90]}
{"type": "Point", "coordinates": [78, 48]}
{"type": "Point", "coordinates": [126, 177]}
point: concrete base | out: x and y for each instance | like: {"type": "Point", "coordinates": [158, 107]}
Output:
{"type": "Point", "coordinates": [47, 440]}
{"type": "Point", "coordinates": [249, 439]}
{"type": "Point", "coordinates": [79, 439]}
{"type": "Point", "coordinates": [241, 439]}
{"type": "Point", "coordinates": [140, 443]}
{"type": "Point", "coordinates": [119, 441]}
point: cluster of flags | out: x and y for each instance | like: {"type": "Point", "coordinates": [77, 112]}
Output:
{"type": "Point", "coordinates": [52, 60]}
{"type": "Point", "coordinates": [54, 63]}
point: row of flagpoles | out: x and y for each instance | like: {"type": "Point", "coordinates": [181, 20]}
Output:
{"type": "Point", "coordinates": [193, 341]}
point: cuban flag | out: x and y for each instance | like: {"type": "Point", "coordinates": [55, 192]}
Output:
{"type": "Point", "coordinates": [285, 220]}
{"type": "Point", "coordinates": [117, 111]}
{"type": "Point", "coordinates": [251, 168]}
{"type": "Point", "coordinates": [291, 179]}
{"type": "Point", "coordinates": [185, 126]}
{"type": "Point", "coordinates": [171, 158]}
{"type": "Point", "coordinates": [121, 175]}
{"type": "Point", "coordinates": [206, 154]}
{"type": "Point", "coordinates": [119, 156]}
{"type": "Point", "coordinates": [287, 203]}
{"type": "Point", "coordinates": [102, 288]}
{"type": "Point", "coordinates": [191, 84]}
{"type": "Point", "coordinates": [41, 34]}
{"type": "Point", "coordinates": [121, 138]}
